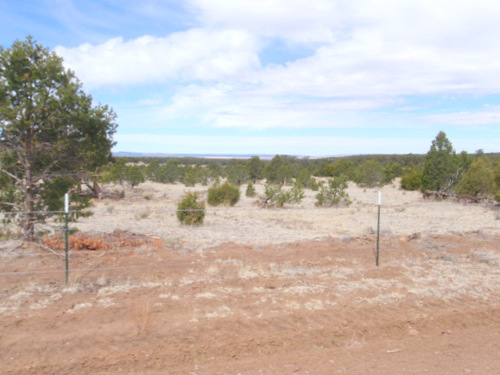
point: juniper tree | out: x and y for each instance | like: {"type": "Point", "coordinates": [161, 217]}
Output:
{"type": "Point", "coordinates": [441, 167]}
{"type": "Point", "coordinates": [51, 133]}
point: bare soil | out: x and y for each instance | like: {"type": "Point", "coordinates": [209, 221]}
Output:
{"type": "Point", "coordinates": [259, 291]}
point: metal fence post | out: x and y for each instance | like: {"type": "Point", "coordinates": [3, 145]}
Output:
{"type": "Point", "coordinates": [66, 234]}
{"type": "Point", "coordinates": [378, 226]}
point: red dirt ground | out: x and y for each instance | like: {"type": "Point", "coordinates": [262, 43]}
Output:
{"type": "Point", "coordinates": [319, 307]}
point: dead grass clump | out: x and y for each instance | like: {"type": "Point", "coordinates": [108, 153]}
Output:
{"type": "Point", "coordinates": [144, 214]}
{"type": "Point", "coordinates": [113, 195]}
{"type": "Point", "coordinates": [148, 195]}
{"type": "Point", "coordinates": [83, 242]}
{"type": "Point", "coordinates": [80, 242]}
{"type": "Point", "coordinates": [118, 239]}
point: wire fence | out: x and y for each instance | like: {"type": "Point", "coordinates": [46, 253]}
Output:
{"type": "Point", "coordinates": [111, 240]}
{"type": "Point", "coordinates": [148, 238]}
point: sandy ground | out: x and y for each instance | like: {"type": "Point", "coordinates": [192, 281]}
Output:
{"type": "Point", "coordinates": [261, 291]}
{"type": "Point", "coordinates": [150, 209]}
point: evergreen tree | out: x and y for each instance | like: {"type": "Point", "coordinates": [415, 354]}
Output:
{"type": "Point", "coordinates": [50, 131]}
{"type": "Point", "coordinates": [255, 169]}
{"type": "Point", "coordinates": [441, 168]}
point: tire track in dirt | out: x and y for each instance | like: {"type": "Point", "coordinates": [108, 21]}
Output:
{"type": "Point", "coordinates": [234, 305]}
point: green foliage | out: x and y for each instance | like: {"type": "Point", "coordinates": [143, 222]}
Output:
{"type": "Point", "coordinates": [391, 171]}
{"type": "Point", "coordinates": [441, 166]}
{"type": "Point", "coordinates": [223, 194]}
{"type": "Point", "coordinates": [52, 193]}
{"type": "Point", "coordinates": [49, 129]}
{"type": "Point", "coordinates": [237, 173]}
{"type": "Point", "coordinates": [296, 194]}
{"type": "Point", "coordinates": [304, 178]}
{"type": "Point", "coordinates": [134, 175]}
{"type": "Point", "coordinates": [342, 166]}
{"type": "Point", "coordinates": [276, 195]}
{"type": "Point", "coordinates": [190, 211]}
{"type": "Point", "coordinates": [215, 171]}
{"type": "Point", "coordinates": [496, 178]}
{"type": "Point", "coordinates": [315, 185]}
{"type": "Point", "coordinates": [279, 170]}
{"type": "Point", "coordinates": [255, 169]}
{"type": "Point", "coordinates": [412, 178]}
{"type": "Point", "coordinates": [169, 173]}
{"type": "Point", "coordinates": [334, 193]}
{"type": "Point", "coordinates": [151, 172]}
{"type": "Point", "coordinates": [195, 175]}
{"type": "Point", "coordinates": [120, 172]}
{"type": "Point", "coordinates": [370, 174]}
{"type": "Point", "coordinates": [250, 192]}
{"type": "Point", "coordinates": [478, 179]}
{"type": "Point", "coordinates": [115, 172]}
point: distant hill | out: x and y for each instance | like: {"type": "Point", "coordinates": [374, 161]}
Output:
{"type": "Point", "coordinates": [126, 154]}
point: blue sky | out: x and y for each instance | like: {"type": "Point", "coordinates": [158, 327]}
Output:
{"type": "Point", "coordinates": [315, 78]}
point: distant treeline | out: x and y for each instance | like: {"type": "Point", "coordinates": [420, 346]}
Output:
{"type": "Point", "coordinates": [314, 164]}
{"type": "Point", "coordinates": [475, 174]}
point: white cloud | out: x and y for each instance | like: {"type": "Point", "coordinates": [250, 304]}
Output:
{"type": "Point", "coordinates": [196, 54]}
{"type": "Point", "coordinates": [372, 48]}
{"type": "Point", "coordinates": [365, 55]}
{"type": "Point", "coordinates": [227, 106]}
{"type": "Point", "coordinates": [296, 20]}
{"type": "Point", "coordinates": [485, 116]}
{"type": "Point", "coordinates": [308, 145]}
{"type": "Point", "coordinates": [367, 48]}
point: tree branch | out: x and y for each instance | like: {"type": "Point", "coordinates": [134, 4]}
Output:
{"type": "Point", "coordinates": [46, 171]}
{"type": "Point", "coordinates": [18, 206]}
{"type": "Point", "coordinates": [14, 177]}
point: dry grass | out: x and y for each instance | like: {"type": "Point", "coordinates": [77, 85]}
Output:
{"type": "Point", "coordinates": [142, 315]}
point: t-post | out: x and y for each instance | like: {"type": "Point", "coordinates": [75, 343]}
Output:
{"type": "Point", "coordinates": [66, 214]}
{"type": "Point", "coordinates": [378, 226]}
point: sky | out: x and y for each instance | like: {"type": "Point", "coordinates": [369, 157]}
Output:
{"type": "Point", "coordinates": [298, 77]}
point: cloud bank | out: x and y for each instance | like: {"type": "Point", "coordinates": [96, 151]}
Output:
{"type": "Point", "coordinates": [256, 65]}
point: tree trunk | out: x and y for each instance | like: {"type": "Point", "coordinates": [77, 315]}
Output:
{"type": "Point", "coordinates": [29, 201]}
{"type": "Point", "coordinates": [29, 220]}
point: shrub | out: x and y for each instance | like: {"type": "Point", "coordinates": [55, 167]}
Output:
{"type": "Point", "coordinates": [412, 178]}
{"type": "Point", "coordinates": [342, 166]}
{"type": "Point", "coordinates": [190, 211]}
{"type": "Point", "coordinates": [134, 175]}
{"type": "Point", "coordinates": [478, 179]}
{"type": "Point", "coordinates": [370, 174]}
{"type": "Point", "coordinates": [223, 194]}
{"type": "Point", "coordinates": [275, 195]}
{"type": "Point", "coordinates": [315, 185]}
{"type": "Point", "coordinates": [334, 193]}
{"type": "Point", "coordinates": [496, 178]}
{"type": "Point", "coordinates": [392, 171]}
{"type": "Point", "coordinates": [250, 192]}
{"type": "Point", "coordinates": [237, 174]}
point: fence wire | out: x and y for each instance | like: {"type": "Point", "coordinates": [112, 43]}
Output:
{"type": "Point", "coordinates": [53, 227]}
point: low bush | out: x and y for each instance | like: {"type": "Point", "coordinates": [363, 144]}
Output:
{"type": "Point", "coordinates": [250, 192]}
{"type": "Point", "coordinates": [276, 195]}
{"type": "Point", "coordinates": [412, 178]}
{"type": "Point", "coordinates": [190, 211]}
{"type": "Point", "coordinates": [223, 194]}
{"type": "Point", "coordinates": [334, 193]}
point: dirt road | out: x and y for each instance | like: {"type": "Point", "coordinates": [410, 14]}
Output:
{"type": "Point", "coordinates": [311, 307]}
